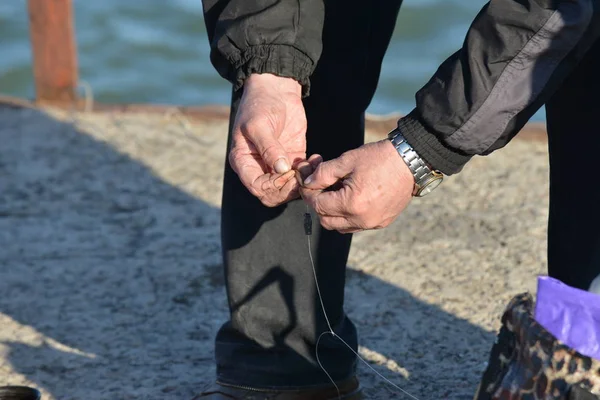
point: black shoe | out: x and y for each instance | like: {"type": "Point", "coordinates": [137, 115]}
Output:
{"type": "Point", "coordinates": [19, 393]}
{"type": "Point", "coordinates": [348, 390]}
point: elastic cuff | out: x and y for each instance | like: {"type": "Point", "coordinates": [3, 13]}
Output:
{"type": "Point", "coordinates": [281, 60]}
{"type": "Point", "coordinates": [442, 158]}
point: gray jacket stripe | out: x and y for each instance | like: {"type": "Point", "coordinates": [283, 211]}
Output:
{"type": "Point", "coordinates": [524, 77]}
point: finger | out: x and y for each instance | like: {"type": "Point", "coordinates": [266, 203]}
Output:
{"type": "Point", "coordinates": [345, 231]}
{"type": "Point", "coordinates": [298, 158]}
{"type": "Point", "coordinates": [299, 178]}
{"type": "Point", "coordinates": [315, 160]}
{"type": "Point", "coordinates": [280, 180]}
{"type": "Point", "coordinates": [332, 204]}
{"type": "Point", "coordinates": [302, 173]}
{"type": "Point", "coordinates": [305, 169]}
{"type": "Point", "coordinates": [288, 192]}
{"type": "Point", "coordinates": [252, 176]}
{"type": "Point", "coordinates": [328, 173]}
{"type": "Point", "coordinates": [272, 183]}
{"type": "Point", "coordinates": [267, 145]}
{"type": "Point", "coordinates": [340, 224]}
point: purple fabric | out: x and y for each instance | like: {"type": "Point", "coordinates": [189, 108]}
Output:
{"type": "Point", "coordinates": [571, 315]}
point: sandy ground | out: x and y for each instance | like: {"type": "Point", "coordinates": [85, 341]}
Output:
{"type": "Point", "coordinates": [110, 277]}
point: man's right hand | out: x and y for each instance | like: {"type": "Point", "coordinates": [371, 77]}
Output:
{"type": "Point", "coordinates": [269, 138]}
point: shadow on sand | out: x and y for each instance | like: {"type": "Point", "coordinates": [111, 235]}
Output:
{"type": "Point", "coordinates": [111, 281]}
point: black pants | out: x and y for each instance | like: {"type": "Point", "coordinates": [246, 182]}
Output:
{"type": "Point", "coordinates": [276, 316]}
{"type": "Point", "coordinates": [574, 140]}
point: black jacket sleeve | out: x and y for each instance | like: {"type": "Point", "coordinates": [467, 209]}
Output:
{"type": "Point", "coordinates": [282, 37]}
{"type": "Point", "coordinates": [515, 55]}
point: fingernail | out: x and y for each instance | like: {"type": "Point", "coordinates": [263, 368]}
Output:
{"type": "Point", "coordinates": [308, 180]}
{"type": "Point", "coordinates": [281, 166]}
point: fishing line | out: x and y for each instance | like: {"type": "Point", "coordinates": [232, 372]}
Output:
{"type": "Point", "coordinates": [308, 232]}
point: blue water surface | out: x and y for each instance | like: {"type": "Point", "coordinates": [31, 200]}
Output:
{"type": "Point", "coordinates": [156, 51]}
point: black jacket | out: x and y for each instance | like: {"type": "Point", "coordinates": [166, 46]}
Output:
{"type": "Point", "coordinates": [515, 55]}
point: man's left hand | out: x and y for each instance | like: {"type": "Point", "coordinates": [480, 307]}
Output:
{"type": "Point", "coordinates": [367, 188]}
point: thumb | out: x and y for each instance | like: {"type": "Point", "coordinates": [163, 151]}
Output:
{"type": "Point", "coordinates": [328, 173]}
{"type": "Point", "coordinates": [272, 152]}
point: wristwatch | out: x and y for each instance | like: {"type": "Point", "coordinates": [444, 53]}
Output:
{"type": "Point", "coordinates": [426, 178]}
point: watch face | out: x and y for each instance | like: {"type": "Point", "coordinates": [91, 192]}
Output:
{"type": "Point", "coordinates": [429, 186]}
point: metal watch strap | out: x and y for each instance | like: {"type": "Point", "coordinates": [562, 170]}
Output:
{"type": "Point", "coordinates": [416, 164]}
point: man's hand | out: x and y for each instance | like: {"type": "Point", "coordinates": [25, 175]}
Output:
{"type": "Point", "coordinates": [269, 138]}
{"type": "Point", "coordinates": [370, 187]}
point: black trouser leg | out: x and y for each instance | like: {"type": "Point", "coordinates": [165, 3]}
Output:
{"type": "Point", "coordinates": [276, 316]}
{"type": "Point", "coordinates": [574, 137]}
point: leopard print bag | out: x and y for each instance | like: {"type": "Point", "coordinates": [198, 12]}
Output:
{"type": "Point", "coordinates": [528, 363]}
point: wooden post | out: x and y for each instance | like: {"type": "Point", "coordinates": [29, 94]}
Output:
{"type": "Point", "coordinates": [54, 51]}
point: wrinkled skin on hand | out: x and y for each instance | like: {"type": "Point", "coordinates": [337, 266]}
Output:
{"type": "Point", "coordinates": [269, 138]}
{"type": "Point", "coordinates": [365, 188]}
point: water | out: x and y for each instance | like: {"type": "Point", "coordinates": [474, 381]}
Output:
{"type": "Point", "coordinates": [156, 51]}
